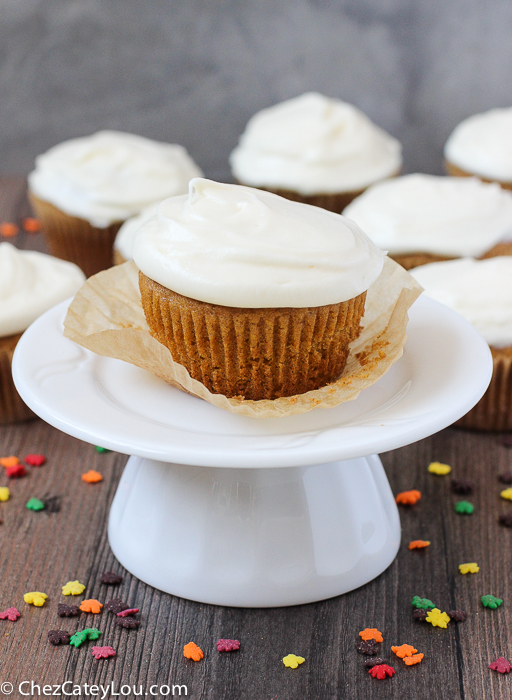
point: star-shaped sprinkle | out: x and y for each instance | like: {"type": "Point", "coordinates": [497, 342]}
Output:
{"type": "Point", "coordinates": [419, 544]}
{"type": "Point", "coordinates": [103, 652]}
{"type": "Point", "coordinates": [92, 477]}
{"type": "Point", "coordinates": [408, 498]}
{"type": "Point", "coordinates": [380, 672]}
{"type": "Point", "coordinates": [10, 461]}
{"type": "Point", "coordinates": [293, 661]}
{"type": "Point", "coordinates": [371, 633]}
{"type": "Point", "coordinates": [228, 645]}
{"type": "Point", "coordinates": [469, 568]}
{"type": "Point", "coordinates": [507, 494]}
{"type": "Point", "coordinates": [91, 606]}
{"type": "Point", "coordinates": [4, 493]}
{"type": "Point", "coordinates": [35, 460]}
{"type": "Point", "coordinates": [464, 508]}
{"type": "Point", "coordinates": [111, 579]}
{"type": "Point", "coordinates": [404, 650]}
{"type": "Point", "coordinates": [463, 487]}
{"type": "Point", "coordinates": [439, 469]}
{"type": "Point", "coordinates": [192, 651]}
{"type": "Point", "coordinates": [11, 614]}
{"type": "Point", "coordinates": [419, 615]}
{"type": "Point", "coordinates": [57, 637]}
{"type": "Point", "coordinates": [489, 601]}
{"type": "Point", "coordinates": [73, 588]}
{"type": "Point", "coordinates": [370, 663]}
{"type": "Point", "coordinates": [501, 665]}
{"type": "Point", "coordinates": [35, 504]}
{"type": "Point", "coordinates": [116, 605]}
{"type": "Point", "coordinates": [129, 623]}
{"type": "Point", "coordinates": [64, 610]}
{"type": "Point", "coordinates": [437, 618]}
{"type": "Point", "coordinates": [35, 598]}
{"type": "Point", "coordinates": [412, 660]}
{"type": "Point", "coordinates": [423, 603]}
{"type": "Point", "coordinates": [90, 633]}
{"type": "Point", "coordinates": [16, 472]}
{"type": "Point", "coordinates": [457, 615]}
{"type": "Point", "coordinates": [370, 647]}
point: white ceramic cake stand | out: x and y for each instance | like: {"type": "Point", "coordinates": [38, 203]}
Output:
{"type": "Point", "coordinates": [231, 510]}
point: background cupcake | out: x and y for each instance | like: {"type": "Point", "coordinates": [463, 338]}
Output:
{"type": "Point", "coordinates": [420, 219]}
{"type": "Point", "coordinates": [85, 188]}
{"type": "Point", "coordinates": [254, 295]}
{"type": "Point", "coordinates": [30, 284]}
{"type": "Point", "coordinates": [481, 291]}
{"type": "Point", "coordinates": [316, 150]}
{"type": "Point", "coordinates": [124, 238]}
{"type": "Point", "coordinates": [482, 145]}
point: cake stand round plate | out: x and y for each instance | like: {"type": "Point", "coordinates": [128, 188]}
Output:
{"type": "Point", "coordinates": [232, 510]}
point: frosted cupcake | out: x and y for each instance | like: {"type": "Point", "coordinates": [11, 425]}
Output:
{"type": "Point", "coordinates": [30, 284]}
{"type": "Point", "coordinates": [481, 291]}
{"type": "Point", "coordinates": [85, 188]}
{"type": "Point", "coordinates": [316, 150]}
{"type": "Point", "coordinates": [124, 239]}
{"type": "Point", "coordinates": [482, 145]}
{"type": "Point", "coordinates": [255, 295]}
{"type": "Point", "coordinates": [420, 219]}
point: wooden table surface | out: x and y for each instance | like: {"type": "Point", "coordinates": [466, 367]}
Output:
{"type": "Point", "coordinates": [41, 551]}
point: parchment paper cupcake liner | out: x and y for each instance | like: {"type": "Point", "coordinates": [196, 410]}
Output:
{"type": "Point", "coordinates": [106, 317]}
{"type": "Point", "coordinates": [74, 239]}
{"type": "Point", "coordinates": [12, 408]}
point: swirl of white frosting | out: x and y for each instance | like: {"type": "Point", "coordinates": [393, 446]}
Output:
{"type": "Point", "coordinates": [125, 235]}
{"type": "Point", "coordinates": [482, 144]}
{"type": "Point", "coordinates": [30, 284]}
{"type": "Point", "coordinates": [450, 216]}
{"type": "Point", "coordinates": [479, 290]}
{"type": "Point", "coordinates": [314, 144]}
{"type": "Point", "coordinates": [237, 246]}
{"type": "Point", "coordinates": [110, 176]}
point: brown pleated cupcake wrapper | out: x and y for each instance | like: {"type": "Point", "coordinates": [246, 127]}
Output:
{"type": "Point", "coordinates": [455, 171]}
{"type": "Point", "coordinates": [106, 317]}
{"type": "Point", "coordinates": [12, 408]}
{"type": "Point", "coordinates": [494, 410]}
{"type": "Point", "coordinates": [253, 353]}
{"type": "Point", "coordinates": [74, 239]}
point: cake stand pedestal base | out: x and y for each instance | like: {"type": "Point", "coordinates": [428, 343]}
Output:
{"type": "Point", "coordinates": [255, 537]}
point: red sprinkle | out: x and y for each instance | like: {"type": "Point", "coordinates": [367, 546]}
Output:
{"type": "Point", "coordinates": [35, 460]}
{"type": "Point", "coordinates": [501, 665]}
{"type": "Point", "coordinates": [16, 472]}
{"type": "Point", "coordinates": [381, 671]}
{"type": "Point", "coordinates": [228, 645]}
{"type": "Point", "coordinates": [10, 614]}
{"type": "Point", "coordinates": [128, 613]}
{"type": "Point", "coordinates": [102, 652]}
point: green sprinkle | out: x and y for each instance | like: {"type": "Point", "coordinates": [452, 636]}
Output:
{"type": "Point", "coordinates": [80, 637]}
{"type": "Point", "coordinates": [35, 504]}
{"type": "Point", "coordinates": [102, 449]}
{"type": "Point", "coordinates": [464, 508]}
{"type": "Point", "coordinates": [423, 603]}
{"type": "Point", "coordinates": [489, 601]}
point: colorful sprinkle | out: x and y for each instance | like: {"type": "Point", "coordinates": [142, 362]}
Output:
{"type": "Point", "coordinates": [369, 648]}
{"type": "Point", "coordinates": [404, 650]}
{"type": "Point", "coordinates": [457, 615]}
{"type": "Point", "coordinates": [31, 225]}
{"type": "Point", "coordinates": [489, 601]}
{"type": "Point", "coordinates": [73, 588]}
{"type": "Point", "coordinates": [16, 472]}
{"type": "Point", "coordinates": [424, 603]}
{"type": "Point", "coordinates": [35, 504]}
{"type": "Point", "coordinates": [35, 460]}
{"type": "Point", "coordinates": [228, 645]}
{"type": "Point", "coordinates": [129, 612]}
{"type": "Point", "coordinates": [439, 469]}
{"type": "Point", "coordinates": [103, 652]}
{"type": "Point", "coordinates": [101, 450]}
{"type": "Point", "coordinates": [64, 610]}
{"type": "Point", "coordinates": [437, 618]}
{"type": "Point", "coordinates": [129, 623]}
{"type": "Point", "coordinates": [57, 637]}
{"type": "Point", "coordinates": [111, 579]}
{"type": "Point", "coordinates": [91, 606]}
{"type": "Point", "coordinates": [381, 671]}
{"type": "Point", "coordinates": [412, 660]}
{"type": "Point", "coordinates": [35, 598]}
{"type": "Point", "coordinates": [192, 651]}
{"type": "Point", "coordinates": [4, 493]}
{"type": "Point", "coordinates": [90, 633]}
{"type": "Point", "coordinates": [464, 508]}
{"type": "Point", "coordinates": [116, 605]}
{"type": "Point", "coordinates": [469, 568]}
{"type": "Point", "coordinates": [11, 614]}
{"type": "Point", "coordinates": [292, 661]}
{"type": "Point", "coordinates": [501, 665]}
{"type": "Point", "coordinates": [92, 477]}
{"type": "Point", "coordinates": [8, 229]}
{"type": "Point", "coordinates": [507, 494]}
{"type": "Point", "coordinates": [419, 544]}
{"type": "Point", "coordinates": [408, 498]}
{"type": "Point", "coordinates": [10, 461]}
{"type": "Point", "coordinates": [371, 633]}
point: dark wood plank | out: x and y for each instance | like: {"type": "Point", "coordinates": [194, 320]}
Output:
{"type": "Point", "coordinates": [41, 551]}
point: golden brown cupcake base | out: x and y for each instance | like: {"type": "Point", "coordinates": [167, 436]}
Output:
{"type": "Point", "coordinates": [335, 202]}
{"type": "Point", "coordinates": [74, 239]}
{"type": "Point", "coordinates": [253, 353]}
{"type": "Point", "coordinates": [410, 260]}
{"type": "Point", "coordinates": [12, 407]}
{"type": "Point", "coordinates": [455, 171]}
{"type": "Point", "coordinates": [494, 410]}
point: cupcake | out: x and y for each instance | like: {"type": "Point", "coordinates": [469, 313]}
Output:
{"type": "Point", "coordinates": [254, 295]}
{"type": "Point", "coordinates": [85, 188]}
{"type": "Point", "coordinates": [482, 145]}
{"type": "Point", "coordinates": [125, 235]}
{"type": "Point", "coordinates": [30, 284]}
{"type": "Point", "coordinates": [421, 219]}
{"type": "Point", "coordinates": [315, 150]}
{"type": "Point", "coordinates": [481, 291]}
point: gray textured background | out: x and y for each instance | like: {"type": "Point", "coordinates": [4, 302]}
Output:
{"type": "Point", "coordinates": [193, 72]}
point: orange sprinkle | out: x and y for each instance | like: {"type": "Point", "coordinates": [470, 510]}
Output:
{"type": "Point", "coordinates": [419, 544]}
{"type": "Point", "coordinates": [92, 605]}
{"type": "Point", "coordinates": [8, 230]}
{"type": "Point", "coordinates": [31, 225]}
{"type": "Point", "coordinates": [370, 633]}
{"type": "Point", "coordinates": [408, 498]}
{"type": "Point", "coordinates": [92, 477]}
{"type": "Point", "coordinates": [192, 651]}
{"type": "Point", "coordinates": [404, 650]}
{"type": "Point", "coordinates": [7, 462]}
{"type": "Point", "coordinates": [411, 660]}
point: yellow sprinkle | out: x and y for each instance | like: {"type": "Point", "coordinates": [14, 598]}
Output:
{"type": "Point", "coordinates": [292, 661]}
{"type": "Point", "coordinates": [73, 588]}
{"type": "Point", "coordinates": [35, 598]}
{"type": "Point", "coordinates": [437, 618]}
{"type": "Point", "coordinates": [470, 568]}
{"type": "Point", "coordinates": [439, 468]}
{"type": "Point", "coordinates": [4, 493]}
{"type": "Point", "coordinates": [507, 493]}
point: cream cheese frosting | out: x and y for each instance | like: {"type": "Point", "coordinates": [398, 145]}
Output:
{"type": "Point", "coordinates": [450, 216]}
{"type": "Point", "coordinates": [482, 144]}
{"type": "Point", "coordinates": [30, 284]}
{"type": "Point", "coordinates": [124, 239]}
{"type": "Point", "coordinates": [313, 144]}
{"type": "Point", "coordinates": [110, 176]}
{"type": "Point", "coordinates": [241, 247]}
{"type": "Point", "coordinates": [479, 290]}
